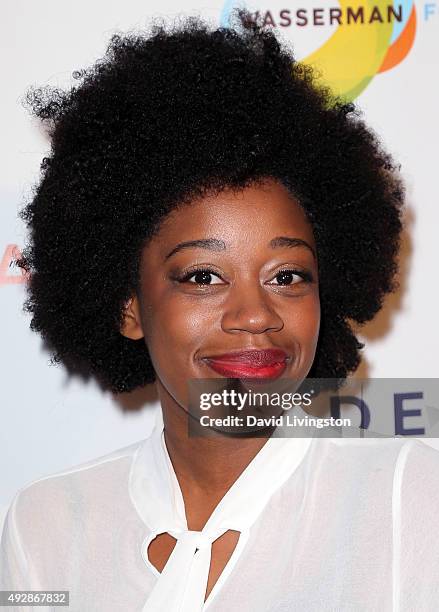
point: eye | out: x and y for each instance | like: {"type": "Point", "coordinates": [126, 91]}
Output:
{"type": "Point", "coordinates": [202, 276]}
{"type": "Point", "coordinates": [292, 277]}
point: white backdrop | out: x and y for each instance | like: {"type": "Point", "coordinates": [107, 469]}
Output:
{"type": "Point", "coordinates": [50, 422]}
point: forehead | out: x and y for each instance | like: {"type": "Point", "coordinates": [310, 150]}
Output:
{"type": "Point", "coordinates": [253, 215]}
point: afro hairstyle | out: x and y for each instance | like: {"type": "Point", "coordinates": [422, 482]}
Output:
{"type": "Point", "coordinates": [175, 113]}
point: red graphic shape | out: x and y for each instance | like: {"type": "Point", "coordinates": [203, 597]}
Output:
{"type": "Point", "coordinates": [6, 278]}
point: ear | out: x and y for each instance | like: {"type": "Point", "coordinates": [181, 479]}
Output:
{"type": "Point", "coordinates": [131, 323]}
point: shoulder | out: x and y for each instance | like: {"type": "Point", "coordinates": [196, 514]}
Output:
{"type": "Point", "coordinates": [401, 462]}
{"type": "Point", "coordinates": [65, 511]}
{"type": "Point", "coordinates": [68, 491]}
{"type": "Point", "coordinates": [415, 532]}
{"type": "Point", "coordinates": [420, 454]}
{"type": "Point", "coordinates": [361, 454]}
{"type": "Point", "coordinates": [401, 448]}
{"type": "Point", "coordinates": [418, 474]}
{"type": "Point", "coordinates": [410, 468]}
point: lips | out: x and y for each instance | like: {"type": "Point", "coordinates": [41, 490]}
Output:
{"type": "Point", "coordinates": [257, 364]}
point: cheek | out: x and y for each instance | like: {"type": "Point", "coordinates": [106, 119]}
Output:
{"type": "Point", "coordinates": [174, 333]}
{"type": "Point", "coordinates": [304, 321]}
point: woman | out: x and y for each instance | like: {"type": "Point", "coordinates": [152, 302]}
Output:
{"type": "Point", "coordinates": [207, 211]}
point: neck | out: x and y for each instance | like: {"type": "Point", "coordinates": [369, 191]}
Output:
{"type": "Point", "coordinates": [208, 465]}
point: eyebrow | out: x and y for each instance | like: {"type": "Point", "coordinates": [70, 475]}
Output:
{"type": "Point", "coordinates": [285, 241]}
{"type": "Point", "coordinates": [213, 244]}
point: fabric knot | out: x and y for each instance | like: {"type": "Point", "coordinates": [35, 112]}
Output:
{"type": "Point", "coordinates": [196, 539]}
{"type": "Point", "coordinates": [182, 584]}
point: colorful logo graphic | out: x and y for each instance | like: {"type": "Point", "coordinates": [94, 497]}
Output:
{"type": "Point", "coordinates": [370, 37]}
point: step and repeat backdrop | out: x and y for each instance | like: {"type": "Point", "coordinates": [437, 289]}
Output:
{"type": "Point", "coordinates": [379, 53]}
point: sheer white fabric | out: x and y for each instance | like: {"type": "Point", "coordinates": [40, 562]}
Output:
{"type": "Point", "coordinates": [326, 524]}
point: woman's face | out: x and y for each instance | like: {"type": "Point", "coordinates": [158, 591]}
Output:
{"type": "Point", "coordinates": [228, 291]}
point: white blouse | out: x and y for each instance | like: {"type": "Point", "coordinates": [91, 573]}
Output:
{"type": "Point", "coordinates": [325, 525]}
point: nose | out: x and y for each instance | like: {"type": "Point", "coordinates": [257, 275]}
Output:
{"type": "Point", "coordinates": [248, 309]}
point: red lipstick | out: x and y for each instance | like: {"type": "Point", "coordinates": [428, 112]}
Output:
{"type": "Point", "coordinates": [267, 363]}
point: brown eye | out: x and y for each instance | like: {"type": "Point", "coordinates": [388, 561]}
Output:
{"type": "Point", "coordinates": [285, 277]}
{"type": "Point", "coordinates": [201, 277]}
{"type": "Point", "coordinates": [292, 277]}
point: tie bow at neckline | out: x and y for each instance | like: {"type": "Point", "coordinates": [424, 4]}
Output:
{"type": "Point", "coordinates": [156, 494]}
{"type": "Point", "coordinates": [198, 539]}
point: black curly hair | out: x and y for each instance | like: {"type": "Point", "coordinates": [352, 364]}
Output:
{"type": "Point", "coordinates": [179, 112]}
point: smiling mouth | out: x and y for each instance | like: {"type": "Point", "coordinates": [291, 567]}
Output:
{"type": "Point", "coordinates": [256, 365]}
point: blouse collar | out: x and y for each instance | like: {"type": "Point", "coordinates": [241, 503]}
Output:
{"type": "Point", "coordinates": [156, 494]}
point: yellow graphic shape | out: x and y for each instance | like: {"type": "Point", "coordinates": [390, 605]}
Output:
{"type": "Point", "coordinates": [353, 55]}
